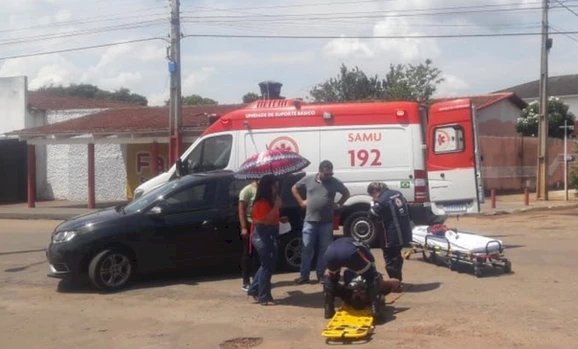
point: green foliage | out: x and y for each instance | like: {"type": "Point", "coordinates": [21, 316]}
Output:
{"type": "Point", "coordinates": [91, 91]}
{"type": "Point", "coordinates": [402, 82]}
{"type": "Point", "coordinates": [412, 82]}
{"type": "Point", "coordinates": [527, 123]}
{"type": "Point", "coordinates": [251, 97]}
{"type": "Point", "coordinates": [349, 85]}
{"type": "Point", "coordinates": [197, 100]}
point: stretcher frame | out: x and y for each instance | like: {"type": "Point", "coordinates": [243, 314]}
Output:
{"type": "Point", "coordinates": [452, 258]}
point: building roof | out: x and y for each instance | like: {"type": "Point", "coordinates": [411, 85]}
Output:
{"type": "Point", "coordinates": [120, 125]}
{"type": "Point", "coordinates": [563, 85]}
{"type": "Point", "coordinates": [46, 101]}
{"type": "Point", "coordinates": [484, 101]}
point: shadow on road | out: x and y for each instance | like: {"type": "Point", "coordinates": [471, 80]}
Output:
{"type": "Point", "coordinates": [22, 251]}
{"type": "Point", "coordinates": [187, 277]}
{"type": "Point", "coordinates": [24, 267]}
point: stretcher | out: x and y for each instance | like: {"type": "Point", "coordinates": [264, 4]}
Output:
{"type": "Point", "coordinates": [349, 324]}
{"type": "Point", "coordinates": [443, 246]}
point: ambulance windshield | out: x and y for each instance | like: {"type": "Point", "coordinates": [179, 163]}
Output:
{"type": "Point", "coordinates": [211, 154]}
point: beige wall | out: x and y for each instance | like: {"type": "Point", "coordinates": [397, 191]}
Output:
{"type": "Point", "coordinates": [499, 119]}
{"type": "Point", "coordinates": [509, 163]}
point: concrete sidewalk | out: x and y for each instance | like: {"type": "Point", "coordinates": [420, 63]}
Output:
{"type": "Point", "coordinates": [61, 209]}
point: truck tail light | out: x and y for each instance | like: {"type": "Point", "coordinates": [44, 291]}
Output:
{"type": "Point", "coordinates": [420, 185]}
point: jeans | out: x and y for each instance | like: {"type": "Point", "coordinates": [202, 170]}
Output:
{"type": "Point", "coordinates": [264, 239]}
{"type": "Point", "coordinates": [317, 236]}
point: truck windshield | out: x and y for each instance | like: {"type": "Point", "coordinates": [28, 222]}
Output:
{"type": "Point", "coordinates": [211, 154]}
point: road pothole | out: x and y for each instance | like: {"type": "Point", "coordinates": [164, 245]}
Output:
{"type": "Point", "coordinates": [241, 343]}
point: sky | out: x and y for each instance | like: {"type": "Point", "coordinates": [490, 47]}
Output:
{"type": "Point", "coordinates": [224, 53]}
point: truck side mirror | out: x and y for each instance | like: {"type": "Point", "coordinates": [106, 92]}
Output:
{"type": "Point", "coordinates": [181, 168]}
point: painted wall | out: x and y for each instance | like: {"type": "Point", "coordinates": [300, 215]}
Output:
{"type": "Point", "coordinates": [67, 166]}
{"type": "Point", "coordinates": [13, 101]}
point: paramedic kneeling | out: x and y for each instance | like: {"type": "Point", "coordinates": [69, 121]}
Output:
{"type": "Point", "coordinates": [360, 270]}
{"type": "Point", "coordinates": [390, 212]}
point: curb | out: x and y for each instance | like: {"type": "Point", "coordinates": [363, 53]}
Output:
{"type": "Point", "coordinates": [45, 215]}
{"type": "Point", "coordinates": [527, 209]}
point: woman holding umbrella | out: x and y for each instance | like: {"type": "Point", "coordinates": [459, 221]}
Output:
{"type": "Point", "coordinates": [265, 216]}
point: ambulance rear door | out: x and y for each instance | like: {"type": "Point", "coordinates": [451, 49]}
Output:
{"type": "Point", "coordinates": [453, 166]}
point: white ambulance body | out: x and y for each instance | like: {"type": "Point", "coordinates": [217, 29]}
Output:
{"type": "Point", "coordinates": [398, 143]}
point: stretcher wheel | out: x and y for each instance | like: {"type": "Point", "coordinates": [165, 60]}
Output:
{"type": "Point", "coordinates": [507, 267]}
{"type": "Point", "coordinates": [431, 258]}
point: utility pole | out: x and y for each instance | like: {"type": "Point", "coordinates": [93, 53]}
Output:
{"type": "Point", "coordinates": [542, 170]}
{"type": "Point", "coordinates": [175, 107]}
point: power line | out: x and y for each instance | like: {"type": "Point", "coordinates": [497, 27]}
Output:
{"type": "Point", "coordinates": [441, 36]}
{"type": "Point", "coordinates": [567, 8]}
{"type": "Point", "coordinates": [80, 48]}
{"type": "Point", "coordinates": [380, 14]}
{"type": "Point", "coordinates": [85, 20]}
{"type": "Point", "coordinates": [127, 26]}
{"type": "Point", "coordinates": [566, 35]}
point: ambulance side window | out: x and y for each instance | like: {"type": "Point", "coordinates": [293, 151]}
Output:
{"type": "Point", "coordinates": [448, 139]}
{"type": "Point", "coordinates": [211, 154]}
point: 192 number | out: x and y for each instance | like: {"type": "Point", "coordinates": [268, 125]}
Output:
{"type": "Point", "coordinates": [364, 157]}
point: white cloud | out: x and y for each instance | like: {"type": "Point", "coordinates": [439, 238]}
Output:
{"type": "Point", "coordinates": [62, 15]}
{"type": "Point", "coordinates": [41, 71]}
{"type": "Point", "coordinates": [452, 86]}
{"type": "Point", "coordinates": [193, 80]}
{"type": "Point", "coordinates": [345, 47]}
{"type": "Point", "coordinates": [406, 50]}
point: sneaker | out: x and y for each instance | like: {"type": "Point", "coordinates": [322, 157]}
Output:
{"type": "Point", "coordinates": [245, 287]}
{"type": "Point", "coordinates": [301, 280]}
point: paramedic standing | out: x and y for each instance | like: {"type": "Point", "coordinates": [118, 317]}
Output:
{"type": "Point", "coordinates": [319, 204]}
{"type": "Point", "coordinates": [248, 258]}
{"type": "Point", "coordinates": [389, 208]}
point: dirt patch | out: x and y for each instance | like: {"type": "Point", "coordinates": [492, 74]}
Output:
{"type": "Point", "coordinates": [241, 343]}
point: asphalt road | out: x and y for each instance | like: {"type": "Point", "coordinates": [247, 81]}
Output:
{"type": "Point", "coordinates": [533, 307]}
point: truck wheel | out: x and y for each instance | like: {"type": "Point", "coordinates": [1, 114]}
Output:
{"type": "Point", "coordinates": [290, 252]}
{"type": "Point", "coordinates": [360, 227]}
{"type": "Point", "coordinates": [110, 270]}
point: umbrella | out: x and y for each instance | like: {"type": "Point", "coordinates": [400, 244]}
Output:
{"type": "Point", "coordinates": [271, 161]}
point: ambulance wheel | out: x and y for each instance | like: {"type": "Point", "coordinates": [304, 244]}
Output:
{"type": "Point", "coordinates": [360, 227]}
{"type": "Point", "coordinates": [508, 267]}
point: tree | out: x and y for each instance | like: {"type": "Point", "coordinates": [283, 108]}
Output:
{"type": "Point", "coordinates": [402, 82]}
{"type": "Point", "coordinates": [412, 82]}
{"type": "Point", "coordinates": [527, 123]}
{"type": "Point", "coordinates": [198, 100]}
{"type": "Point", "coordinates": [91, 91]}
{"type": "Point", "coordinates": [349, 85]}
{"type": "Point", "coordinates": [251, 97]}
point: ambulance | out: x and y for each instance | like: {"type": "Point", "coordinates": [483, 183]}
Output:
{"type": "Point", "coordinates": [430, 155]}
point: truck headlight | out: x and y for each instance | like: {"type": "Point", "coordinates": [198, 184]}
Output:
{"type": "Point", "coordinates": [63, 236]}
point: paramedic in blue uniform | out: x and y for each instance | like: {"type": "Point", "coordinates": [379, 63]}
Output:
{"type": "Point", "coordinates": [390, 212]}
{"type": "Point", "coordinates": [357, 260]}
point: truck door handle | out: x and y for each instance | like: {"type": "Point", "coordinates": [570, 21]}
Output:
{"type": "Point", "coordinates": [443, 175]}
